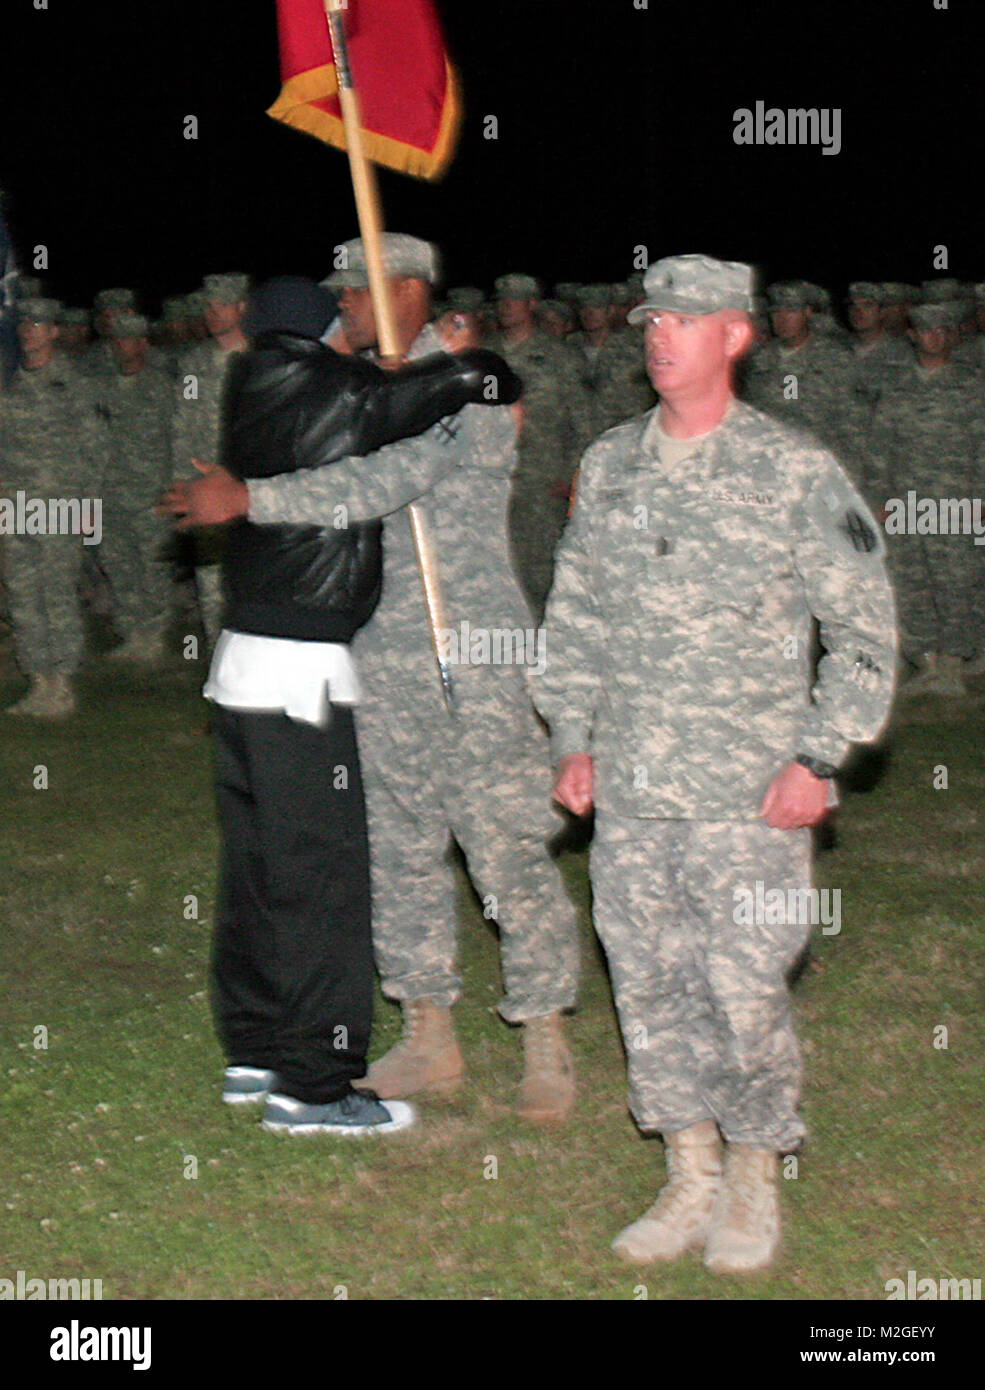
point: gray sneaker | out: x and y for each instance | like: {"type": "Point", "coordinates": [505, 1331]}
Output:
{"type": "Point", "coordinates": [248, 1085]}
{"type": "Point", "coordinates": [358, 1113]}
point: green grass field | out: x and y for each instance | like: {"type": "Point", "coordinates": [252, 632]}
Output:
{"type": "Point", "coordinates": [103, 1128]}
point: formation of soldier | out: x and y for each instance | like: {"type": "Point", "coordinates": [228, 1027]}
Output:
{"type": "Point", "coordinates": [896, 392]}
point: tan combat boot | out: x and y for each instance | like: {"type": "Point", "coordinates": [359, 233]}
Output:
{"type": "Point", "coordinates": [547, 1091]}
{"type": "Point", "coordinates": [680, 1218]}
{"type": "Point", "coordinates": [745, 1225]}
{"type": "Point", "coordinates": [35, 700]}
{"type": "Point", "coordinates": [427, 1058]}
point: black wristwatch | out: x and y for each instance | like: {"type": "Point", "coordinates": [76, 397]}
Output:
{"type": "Point", "coordinates": [815, 765]}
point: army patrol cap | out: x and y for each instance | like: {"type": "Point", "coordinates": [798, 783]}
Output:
{"type": "Point", "coordinates": [622, 293]}
{"type": "Point", "coordinates": [404, 257]}
{"type": "Point", "coordinates": [517, 287]}
{"type": "Point", "coordinates": [979, 290]}
{"type": "Point", "coordinates": [465, 299]}
{"type": "Point", "coordinates": [937, 291]}
{"type": "Point", "coordinates": [195, 304]}
{"type": "Point", "coordinates": [129, 326]}
{"type": "Point", "coordinates": [78, 318]}
{"type": "Point", "coordinates": [114, 299]}
{"type": "Point", "coordinates": [864, 289]}
{"type": "Point", "coordinates": [893, 292]}
{"type": "Point", "coordinates": [29, 287]}
{"type": "Point", "coordinates": [37, 310]}
{"type": "Point", "coordinates": [820, 297]}
{"type": "Point", "coordinates": [175, 309]}
{"type": "Point", "coordinates": [567, 289]}
{"type": "Point", "coordinates": [694, 285]}
{"type": "Point", "coordinates": [557, 306]}
{"type": "Point", "coordinates": [229, 288]}
{"type": "Point", "coordinates": [791, 294]}
{"type": "Point", "coordinates": [945, 313]}
{"type": "Point", "coordinates": [598, 295]}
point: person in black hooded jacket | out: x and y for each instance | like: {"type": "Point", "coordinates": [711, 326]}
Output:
{"type": "Point", "coordinates": [292, 966]}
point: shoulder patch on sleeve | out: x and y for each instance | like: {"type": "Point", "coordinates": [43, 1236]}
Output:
{"type": "Point", "coordinates": [858, 531]}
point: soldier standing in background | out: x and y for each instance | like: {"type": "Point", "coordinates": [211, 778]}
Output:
{"type": "Point", "coordinates": [878, 356]}
{"type": "Point", "coordinates": [677, 692]}
{"type": "Point", "coordinates": [608, 366]}
{"type": "Point", "coordinates": [927, 438]}
{"type": "Point", "coordinates": [547, 449]}
{"type": "Point", "coordinates": [805, 379]}
{"type": "Point", "coordinates": [134, 410]}
{"type": "Point", "coordinates": [198, 394]}
{"type": "Point", "coordinates": [47, 444]}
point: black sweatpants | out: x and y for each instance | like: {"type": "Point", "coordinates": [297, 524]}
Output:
{"type": "Point", "coordinates": [292, 962]}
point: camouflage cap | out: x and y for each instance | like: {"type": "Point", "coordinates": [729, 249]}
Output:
{"type": "Point", "coordinates": [175, 309]}
{"type": "Point", "coordinates": [894, 292]}
{"type": "Point", "coordinates": [622, 293]}
{"type": "Point", "coordinates": [114, 299]}
{"type": "Point", "coordinates": [465, 299]}
{"type": "Point", "coordinates": [567, 289]}
{"type": "Point", "coordinates": [791, 294]}
{"type": "Point", "coordinates": [404, 257]}
{"type": "Point", "coordinates": [937, 291]}
{"type": "Point", "coordinates": [29, 287]}
{"type": "Point", "coordinates": [129, 326]}
{"type": "Point", "coordinates": [864, 289]}
{"type": "Point", "coordinates": [600, 296]}
{"type": "Point", "coordinates": [946, 313]}
{"type": "Point", "coordinates": [517, 287]}
{"type": "Point", "coordinates": [195, 304]}
{"type": "Point", "coordinates": [37, 310]}
{"type": "Point", "coordinates": [694, 285]}
{"type": "Point", "coordinates": [979, 291]}
{"type": "Point", "coordinates": [79, 318]}
{"type": "Point", "coordinates": [228, 288]}
{"type": "Point", "coordinates": [634, 283]}
{"type": "Point", "coordinates": [820, 297]}
{"type": "Point", "coordinates": [557, 306]}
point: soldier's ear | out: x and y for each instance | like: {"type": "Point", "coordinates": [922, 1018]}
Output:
{"type": "Point", "coordinates": [739, 334]}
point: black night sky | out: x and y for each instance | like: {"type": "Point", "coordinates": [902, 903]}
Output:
{"type": "Point", "coordinates": [615, 129]}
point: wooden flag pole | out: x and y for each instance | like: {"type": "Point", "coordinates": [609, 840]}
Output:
{"type": "Point", "coordinates": [369, 214]}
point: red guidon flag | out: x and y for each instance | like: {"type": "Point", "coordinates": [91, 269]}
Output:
{"type": "Point", "coordinates": [407, 89]}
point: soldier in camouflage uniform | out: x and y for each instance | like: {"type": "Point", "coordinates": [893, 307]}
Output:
{"type": "Point", "coordinates": [807, 380]}
{"type": "Point", "coordinates": [895, 300]}
{"type": "Point", "coordinates": [47, 447]}
{"type": "Point", "coordinates": [134, 410]}
{"type": "Point", "coordinates": [547, 449]}
{"type": "Point", "coordinates": [200, 377]}
{"type": "Point", "coordinates": [480, 772]}
{"type": "Point", "coordinates": [98, 361]}
{"type": "Point", "coordinates": [927, 438]}
{"type": "Point", "coordinates": [705, 538]}
{"type": "Point", "coordinates": [607, 363]}
{"type": "Point", "coordinates": [73, 332]}
{"type": "Point", "coordinates": [878, 357]}
{"type": "Point", "coordinates": [556, 318]}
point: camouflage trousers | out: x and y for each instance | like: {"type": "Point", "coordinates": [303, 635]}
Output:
{"type": "Point", "coordinates": [536, 521]}
{"type": "Point", "coordinates": [938, 582]}
{"type": "Point", "coordinates": [486, 781]}
{"type": "Point", "coordinates": [42, 575]}
{"type": "Point", "coordinates": [131, 557]}
{"type": "Point", "coordinates": [702, 999]}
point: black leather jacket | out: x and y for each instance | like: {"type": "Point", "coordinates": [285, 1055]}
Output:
{"type": "Point", "coordinates": [291, 403]}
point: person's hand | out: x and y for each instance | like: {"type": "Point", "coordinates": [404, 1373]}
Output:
{"type": "Point", "coordinates": [796, 798]}
{"type": "Point", "coordinates": [574, 785]}
{"type": "Point", "coordinates": [211, 500]}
